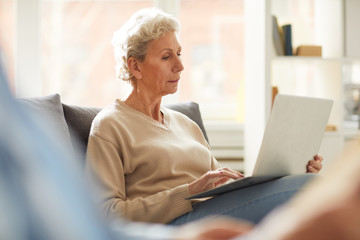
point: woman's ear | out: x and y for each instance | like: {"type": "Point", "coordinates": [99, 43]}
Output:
{"type": "Point", "coordinates": [133, 65]}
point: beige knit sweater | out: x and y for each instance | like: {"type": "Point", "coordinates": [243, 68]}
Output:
{"type": "Point", "coordinates": [143, 166]}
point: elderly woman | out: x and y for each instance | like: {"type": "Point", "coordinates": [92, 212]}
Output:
{"type": "Point", "coordinates": [148, 159]}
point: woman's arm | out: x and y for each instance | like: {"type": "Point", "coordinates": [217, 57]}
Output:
{"type": "Point", "coordinates": [105, 166]}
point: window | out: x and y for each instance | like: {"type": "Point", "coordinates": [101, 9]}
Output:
{"type": "Point", "coordinates": [76, 58]}
{"type": "Point", "coordinates": [212, 36]}
{"type": "Point", "coordinates": [63, 46]}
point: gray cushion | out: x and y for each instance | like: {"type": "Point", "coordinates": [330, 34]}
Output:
{"type": "Point", "coordinates": [74, 122]}
{"type": "Point", "coordinates": [192, 110]}
{"type": "Point", "coordinates": [50, 109]}
{"type": "Point", "coordinates": [79, 121]}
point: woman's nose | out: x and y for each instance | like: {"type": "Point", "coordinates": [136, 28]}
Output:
{"type": "Point", "coordinates": [178, 65]}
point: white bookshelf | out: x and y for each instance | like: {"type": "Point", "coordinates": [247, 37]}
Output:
{"type": "Point", "coordinates": [314, 22]}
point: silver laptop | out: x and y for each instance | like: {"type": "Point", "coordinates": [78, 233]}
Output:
{"type": "Point", "coordinates": [292, 137]}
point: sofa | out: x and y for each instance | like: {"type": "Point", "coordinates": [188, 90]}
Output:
{"type": "Point", "coordinates": [74, 122]}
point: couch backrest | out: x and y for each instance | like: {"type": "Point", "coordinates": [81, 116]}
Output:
{"type": "Point", "coordinates": [74, 122]}
{"type": "Point", "coordinates": [79, 121]}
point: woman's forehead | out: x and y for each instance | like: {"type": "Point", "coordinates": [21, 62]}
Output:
{"type": "Point", "coordinates": [167, 41]}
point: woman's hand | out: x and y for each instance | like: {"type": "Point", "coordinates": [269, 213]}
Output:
{"type": "Point", "coordinates": [314, 165]}
{"type": "Point", "coordinates": [213, 179]}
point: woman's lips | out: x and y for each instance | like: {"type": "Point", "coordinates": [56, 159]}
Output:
{"type": "Point", "coordinates": [174, 81]}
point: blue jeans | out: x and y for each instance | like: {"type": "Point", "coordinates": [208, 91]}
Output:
{"type": "Point", "coordinates": [251, 203]}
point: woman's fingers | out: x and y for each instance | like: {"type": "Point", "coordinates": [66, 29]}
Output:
{"type": "Point", "coordinates": [221, 181]}
{"type": "Point", "coordinates": [315, 165]}
{"type": "Point", "coordinates": [318, 158]}
{"type": "Point", "coordinates": [212, 179]}
{"type": "Point", "coordinates": [310, 169]}
{"type": "Point", "coordinates": [224, 172]}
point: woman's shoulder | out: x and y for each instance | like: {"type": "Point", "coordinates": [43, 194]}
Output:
{"type": "Point", "coordinates": [107, 112]}
{"type": "Point", "coordinates": [108, 117]}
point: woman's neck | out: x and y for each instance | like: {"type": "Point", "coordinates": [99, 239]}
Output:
{"type": "Point", "coordinates": [148, 105]}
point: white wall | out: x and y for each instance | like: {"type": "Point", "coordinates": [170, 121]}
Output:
{"type": "Point", "coordinates": [352, 28]}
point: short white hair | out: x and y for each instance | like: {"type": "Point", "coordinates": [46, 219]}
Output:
{"type": "Point", "coordinates": [132, 39]}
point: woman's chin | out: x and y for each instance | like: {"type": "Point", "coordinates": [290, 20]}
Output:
{"type": "Point", "coordinates": [173, 90]}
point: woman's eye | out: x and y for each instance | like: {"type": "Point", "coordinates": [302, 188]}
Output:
{"type": "Point", "coordinates": [165, 58]}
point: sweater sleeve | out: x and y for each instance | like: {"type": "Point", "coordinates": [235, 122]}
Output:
{"type": "Point", "coordinates": [105, 166]}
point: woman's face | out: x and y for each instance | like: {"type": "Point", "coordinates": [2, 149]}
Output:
{"type": "Point", "coordinates": [160, 71]}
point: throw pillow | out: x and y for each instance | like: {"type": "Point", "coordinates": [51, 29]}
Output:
{"type": "Point", "coordinates": [50, 109]}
